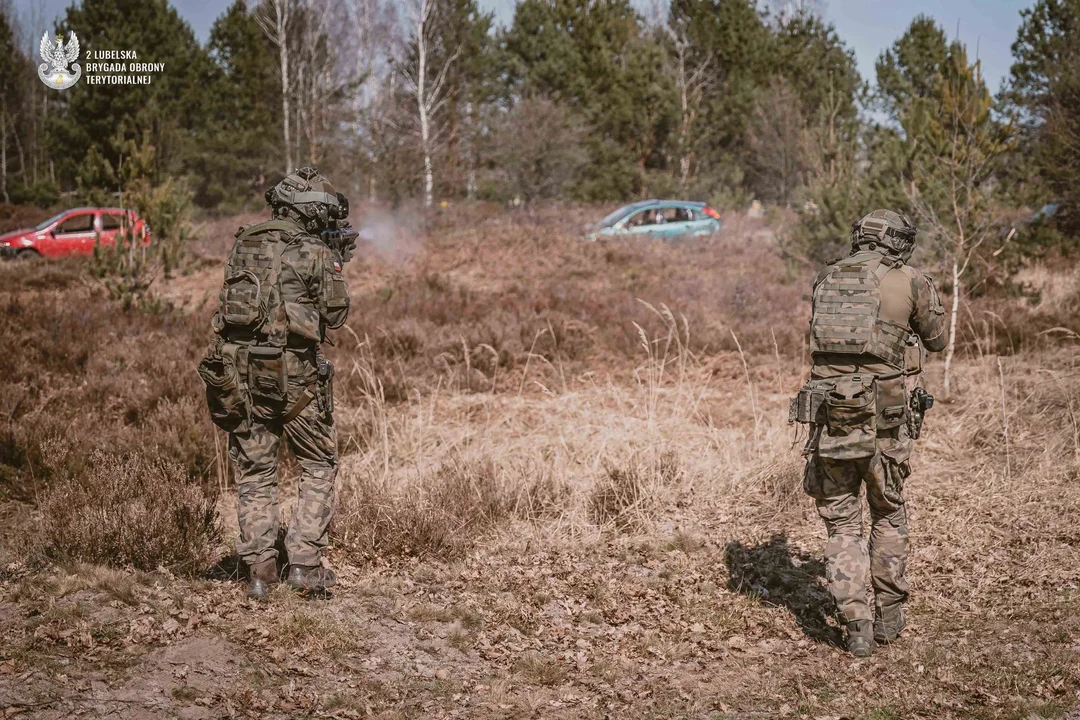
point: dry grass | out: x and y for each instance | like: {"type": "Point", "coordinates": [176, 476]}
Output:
{"type": "Point", "coordinates": [568, 490]}
{"type": "Point", "coordinates": [129, 511]}
{"type": "Point", "coordinates": [630, 494]}
{"type": "Point", "coordinates": [438, 515]}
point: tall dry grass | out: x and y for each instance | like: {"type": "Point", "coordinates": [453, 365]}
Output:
{"type": "Point", "coordinates": [539, 377]}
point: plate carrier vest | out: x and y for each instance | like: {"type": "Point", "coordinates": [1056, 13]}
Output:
{"type": "Point", "coordinates": [847, 311]}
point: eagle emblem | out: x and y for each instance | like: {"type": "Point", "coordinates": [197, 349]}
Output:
{"type": "Point", "coordinates": [58, 68]}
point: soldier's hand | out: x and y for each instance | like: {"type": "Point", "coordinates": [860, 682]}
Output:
{"type": "Point", "coordinates": [347, 248]}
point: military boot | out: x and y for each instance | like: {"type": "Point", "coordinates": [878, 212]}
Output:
{"type": "Point", "coordinates": [263, 575]}
{"type": "Point", "coordinates": [311, 578]}
{"type": "Point", "coordinates": [860, 640]}
{"type": "Point", "coordinates": [889, 622]}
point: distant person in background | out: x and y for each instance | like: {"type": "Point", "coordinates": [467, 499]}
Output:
{"type": "Point", "coordinates": [266, 377]}
{"type": "Point", "coordinates": [872, 316]}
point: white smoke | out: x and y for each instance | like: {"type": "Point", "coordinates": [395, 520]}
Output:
{"type": "Point", "coordinates": [392, 235]}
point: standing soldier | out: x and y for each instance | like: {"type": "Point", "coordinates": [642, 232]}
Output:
{"type": "Point", "coordinates": [267, 379]}
{"type": "Point", "coordinates": [870, 312]}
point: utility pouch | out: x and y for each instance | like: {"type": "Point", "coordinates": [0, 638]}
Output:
{"type": "Point", "coordinates": [225, 394]}
{"type": "Point", "coordinates": [241, 299]}
{"type": "Point", "coordinates": [892, 403]}
{"type": "Point", "coordinates": [850, 419]}
{"type": "Point", "coordinates": [268, 380]}
{"type": "Point", "coordinates": [894, 469]}
{"type": "Point", "coordinates": [809, 405]}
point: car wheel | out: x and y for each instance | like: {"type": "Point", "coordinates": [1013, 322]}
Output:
{"type": "Point", "coordinates": [28, 255]}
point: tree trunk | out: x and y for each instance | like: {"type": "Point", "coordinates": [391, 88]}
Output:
{"type": "Point", "coordinates": [470, 151]}
{"type": "Point", "coordinates": [952, 325]}
{"type": "Point", "coordinates": [285, 111]}
{"type": "Point", "coordinates": [421, 103]}
{"type": "Point", "coordinates": [684, 158]}
{"type": "Point", "coordinates": [3, 150]}
{"type": "Point", "coordinates": [19, 149]}
{"type": "Point", "coordinates": [429, 180]}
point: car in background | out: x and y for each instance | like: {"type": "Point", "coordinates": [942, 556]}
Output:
{"type": "Point", "coordinates": [663, 219]}
{"type": "Point", "coordinates": [73, 232]}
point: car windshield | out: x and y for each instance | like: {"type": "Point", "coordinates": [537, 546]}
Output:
{"type": "Point", "coordinates": [46, 223]}
{"type": "Point", "coordinates": [619, 215]}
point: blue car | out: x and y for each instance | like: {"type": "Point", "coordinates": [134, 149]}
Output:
{"type": "Point", "coordinates": [663, 219]}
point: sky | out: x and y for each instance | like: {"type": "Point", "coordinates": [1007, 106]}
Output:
{"type": "Point", "coordinates": [988, 27]}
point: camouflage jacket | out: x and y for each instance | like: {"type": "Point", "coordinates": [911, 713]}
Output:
{"type": "Point", "coordinates": [313, 294]}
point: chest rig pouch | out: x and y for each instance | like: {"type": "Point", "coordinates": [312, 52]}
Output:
{"type": "Point", "coordinates": [847, 312]}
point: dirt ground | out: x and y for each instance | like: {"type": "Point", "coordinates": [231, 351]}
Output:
{"type": "Point", "coordinates": [702, 597]}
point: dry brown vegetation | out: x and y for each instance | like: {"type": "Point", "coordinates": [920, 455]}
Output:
{"type": "Point", "coordinates": [128, 510]}
{"type": "Point", "coordinates": [567, 490]}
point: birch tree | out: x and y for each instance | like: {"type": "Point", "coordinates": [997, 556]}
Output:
{"type": "Point", "coordinates": [372, 40]}
{"type": "Point", "coordinates": [275, 18]}
{"type": "Point", "coordinates": [323, 74]}
{"type": "Point", "coordinates": [426, 84]}
{"type": "Point", "coordinates": [691, 81]}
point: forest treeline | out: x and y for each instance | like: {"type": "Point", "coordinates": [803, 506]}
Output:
{"type": "Point", "coordinates": [587, 100]}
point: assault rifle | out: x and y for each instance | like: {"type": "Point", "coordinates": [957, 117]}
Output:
{"type": "Point", "coordinates": [340, 236]}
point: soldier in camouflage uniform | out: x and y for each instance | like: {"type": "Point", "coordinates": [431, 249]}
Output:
{"type": "Point", "coordinates": [267, 380]}
{"type": "Point", "coordinates": [872, 315]}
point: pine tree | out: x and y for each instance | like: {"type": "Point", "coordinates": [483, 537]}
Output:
{"type": "Point", "coordinates": [949, 186]}
{"type": "Point", "coordinates": [241, 151]}
{"type": "Point", "coordinates": [1043, 97]}
{"type": "Point", "coordinates": [596, 59]}
{"type": "Point", "coordinates": [909, 69]}
{"type": "Point", "coordinates": [732, 38]}
{"type": "Point", "coordinates": [173, 108]}
{"type": "Point", "coordinates": [11, 67]}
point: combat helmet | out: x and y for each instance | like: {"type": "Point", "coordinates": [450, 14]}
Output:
{"type": "Point", "coordinates": [891, 230]}
{"type": "Point", "coordinates": [309, 198]}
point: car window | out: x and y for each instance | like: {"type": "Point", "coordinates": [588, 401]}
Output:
{"type": "Point", "coordinates": [645, 217]}
{"type": "Point", "coordinates": [111, 222]}
{"type": "Point", "coordinates": [682, 215]}
{"type": "Point", "coordinates": [76, 223]}
{"type": "Point", "coordinates": [616, 216]}
{"type": "Point", "coordinates": [46, 223]}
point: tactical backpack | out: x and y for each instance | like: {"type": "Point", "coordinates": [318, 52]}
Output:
{"type": "Point", "coordinates": [251, 306]}
{"type": "Point", "coordinates": [847, 312]}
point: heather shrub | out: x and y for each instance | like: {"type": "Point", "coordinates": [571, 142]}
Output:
{"type": "Point", "coordinates": [628, 494]}
{"type": "Point", "coordinates": [129, 510]}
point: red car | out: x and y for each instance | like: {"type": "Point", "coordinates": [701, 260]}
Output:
{"type": "Point", "coordinates": [73, 232]}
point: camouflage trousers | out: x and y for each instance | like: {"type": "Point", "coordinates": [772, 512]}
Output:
{"type": "Point", "coordinates": [254, 448]}
{"type": "Point", "coordinates": [836, 485]}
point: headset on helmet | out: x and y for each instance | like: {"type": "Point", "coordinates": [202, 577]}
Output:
{"type": "Point", "coordinates": [309, 195]}
{"type": "Point", "coordinates": [892, 230]}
